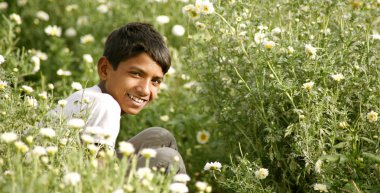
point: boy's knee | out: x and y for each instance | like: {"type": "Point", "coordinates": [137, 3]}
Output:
{"type": "Point", "coordinates": [162, 132]}
{"type": "Point", "coordinates": [154, 137]}
{"type": "Point", "coordinates": [168, 159]}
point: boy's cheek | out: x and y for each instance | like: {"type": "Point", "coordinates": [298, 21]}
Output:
{"type": "Point", "coordinates": [153, 97]}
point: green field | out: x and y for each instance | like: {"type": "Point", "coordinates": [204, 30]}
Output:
{"type": "Point", "coordinates": [283, 94]}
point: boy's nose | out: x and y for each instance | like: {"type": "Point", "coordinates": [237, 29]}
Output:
{"type": "Point", "coordinates": [144, 87]}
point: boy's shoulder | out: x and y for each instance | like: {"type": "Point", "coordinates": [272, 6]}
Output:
{"type": "Point", "coordinates": [91, 93]}
{"type": "Point", "coordinates": [89, 98]}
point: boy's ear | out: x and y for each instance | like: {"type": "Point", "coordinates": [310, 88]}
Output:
{"type": "Point", "coordinates": [103, 65]}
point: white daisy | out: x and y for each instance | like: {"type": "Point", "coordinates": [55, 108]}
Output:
{"type": "Point", "coordinates": [213, 166]}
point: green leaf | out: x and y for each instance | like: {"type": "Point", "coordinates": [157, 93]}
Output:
{"type": "Point", "coordinates": [368, 140]}
{"type": "Point", "coordinates": [289, 130]}
{"type": "Point", "coordinates": [340, 145]}
{"type": "Point", "coordinates": [331, 158]}
{"type": "Point", "coordinates": [372, 157]}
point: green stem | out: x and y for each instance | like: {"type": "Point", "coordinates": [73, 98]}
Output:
{"type": "Point", "coordinates": [242, 47]}
{"type": "Point", "coordinates": [242, 79]}
{"type": "Point", "coordinates": [279, 81]}
{"type": "Point", "coordinates": [213, 173]}
{"type": "Point", "coordinates": [132, 169]}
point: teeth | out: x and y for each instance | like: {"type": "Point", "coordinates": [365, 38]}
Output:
{"type": "Point", "coordinates": [138, 100]}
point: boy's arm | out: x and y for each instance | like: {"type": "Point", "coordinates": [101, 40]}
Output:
{"type": "Point", "coordinates": [105, 114]}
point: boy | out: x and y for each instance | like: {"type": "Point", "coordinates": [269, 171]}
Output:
{"type": "Point", "coordinates": [131, 69]}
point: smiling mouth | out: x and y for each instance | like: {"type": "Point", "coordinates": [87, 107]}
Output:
{"type": "Point", "coordinates": [136, 99]}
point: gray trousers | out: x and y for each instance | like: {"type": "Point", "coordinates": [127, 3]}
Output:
{"type": "Point", "coordinates": [164, 143]}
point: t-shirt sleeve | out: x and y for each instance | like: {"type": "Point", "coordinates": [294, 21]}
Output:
{"type": "Point", "coordinates": [105, 113]}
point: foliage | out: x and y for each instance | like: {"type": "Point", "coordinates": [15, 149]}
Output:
{"type": "Point", "coordinates": [295, 82]}
{"type": "Point", "coordinates": [50, 62]}
{"type": "Point", "coordinates": [284, 91]}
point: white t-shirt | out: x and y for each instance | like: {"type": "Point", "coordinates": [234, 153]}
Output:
{"type": "Point", "coordinates": [103, 110]}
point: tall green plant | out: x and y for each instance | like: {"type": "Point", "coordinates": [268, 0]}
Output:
{"type": "Point", "coordinates": [296, 83]}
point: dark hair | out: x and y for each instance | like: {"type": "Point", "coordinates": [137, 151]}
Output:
{"type": "Point", "coordinates": [133, 39]}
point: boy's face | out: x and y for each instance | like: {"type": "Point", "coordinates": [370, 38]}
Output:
{"type": "Point", "coordinates": [135, 82]}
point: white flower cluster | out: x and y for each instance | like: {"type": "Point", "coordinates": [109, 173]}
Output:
{"type": "Point", "coordinates": [203, 187]}
{"type": "Point", "coordinates": [311, 51]}
{"type": "Point", "coordinates": [31, 102]}
{"type": "Point", "coordinates": [308, 86]}
{"type": "Point", "coordinates": [269, 44]}
{"type": "Point", "coordinates": [51, 150]}
{"type": "Point", "coordinates": [27, 89]}
{"type": "Point", "coordinates": [119, 190]}
{"type": "Point", "coordinates": [98, 133]}
{"type": "Point", "coordinates": [71, 7]}
{"type": "Point", "coordinates": [36, 62]}
{"type": "Point", "coordinates": [164, 118]}
{"type": "Point", "coordinates": [3, 6]}
{"type": "Point", "coordinates": [88, 139]}
{"type": "Point", "coordinates": [203, 136]}
{"type": "Point", "coordinates": [88, 38]}
{"type": "Point", "coordinates": [126, 148]}
{"type": "Point", "coordinates": [61, 72]}
{"type": "Point", "coordinates": [75, 123]}
{"type": "Point", "coordinates": [320, 187]}
{"type": "Point", "coordinates": [72, 179]}
{"type": "Point", "coordinates": [62, 103]}
{"type": "Point", "coordinates": [201, 7]}
{"type": "Point", "coordinates": [8, 137]}
{"type": "Point", "coordinates": [376, 36]}
{"type": "Point", "coordinates": [179, 183]}
{"type": "Point", "coordinates": [183, 178]}
{"type": "Point", "coordinates": [2, 59]}
{"type": "Point", "coordinates": [261, 173]}
{"type": "Point", "coordinates": [16, 18]}
{"type": "Point", "coordinates": [178, 30]}
{"type": "Point", "coordinates": [47, 132]}
{"type": "Point", "coordinates": [102, 8]}
{"type": "Point", "coordinates": [3, 84]}
{"type": "Point", "coordinates": [162, 19]}
{"type": "Point", "coordinates": [148, 153]}
{"type": "Point", "coordinates": [337, 77]}
{"type": "Point", "coordinates": [144, 173]}
{"type": "Point", "coordinates": [53, 31]}
{"type": "Point", "coordinates": [22, 3]}
{"type": "Point", "coordinates": [88, 58]}
{"type": "Point", "coordinates": [76, 86]}
{"type": "Point", "coordinates": [39, 151]}
{"type": "Point", "coordinates": [42, 15]}
{"type": "Point", "coordinates": [82, 21]}
{"type": "Point", "coordinates": [178, 188]}
{"type": "Point", "coordinates": [318, 166]}
{"type": "Point", "coordinates": [372, 116]}
{"type": "Point", "coordinates": [212, 166]}
{"type": "Point", "coordinates": [343, 124]}
{"type": "Point", "coordinates": [70, 32]}
{"type": "Point", "coordinates": [21, 146]}
{"type": "Point", "coordinates": [260, 37]}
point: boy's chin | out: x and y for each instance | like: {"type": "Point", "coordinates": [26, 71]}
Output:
{"type": "Point", "coordinates": [131, 111]}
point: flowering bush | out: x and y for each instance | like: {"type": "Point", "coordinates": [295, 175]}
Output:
{"type": "Point", "coordinates": [292, 83]}
{"type": "Point", "coordinates": [295, 84]}
{"type": "Point", "coordinates": [44, 57]}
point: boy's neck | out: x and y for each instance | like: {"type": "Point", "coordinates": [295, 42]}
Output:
{"type": "Point", "coordinates": [102, 87]}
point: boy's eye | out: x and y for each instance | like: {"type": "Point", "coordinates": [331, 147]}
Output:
{"type": "Point", "coordinates": [136, 73]}
{"type": "Point", "coordinates": [156, 82]}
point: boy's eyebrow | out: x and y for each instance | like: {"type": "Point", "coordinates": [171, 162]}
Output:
{"type": "Point", "coordinates": [159, 78]}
